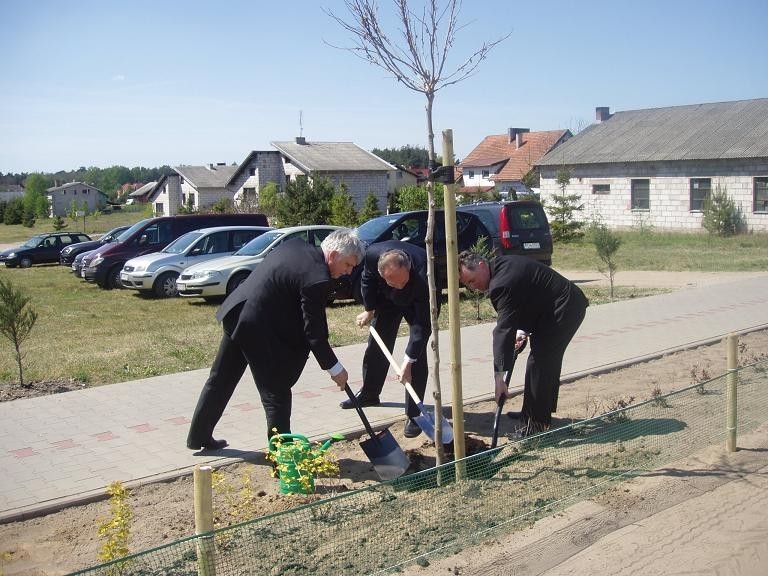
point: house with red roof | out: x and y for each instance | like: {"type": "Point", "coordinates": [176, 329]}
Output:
{"type": "Point", "coordinates": [501, 161]}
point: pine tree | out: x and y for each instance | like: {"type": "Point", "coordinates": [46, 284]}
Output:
{"type": "Point", "coordinates": [562, 208]}
{"type": "Point", "coordinates": [370, 209]}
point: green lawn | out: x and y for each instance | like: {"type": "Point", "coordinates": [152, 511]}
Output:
{"type": "Point", "coordinates": [91, 225]}
{"type": "Point", "coordinates": [99, 336]}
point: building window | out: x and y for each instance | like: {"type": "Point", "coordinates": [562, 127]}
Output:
{"type": "Point", "coordinates": [700, 189]}
{"type": "Point", "coordinates": [601, 188]}
{"type": "Point", "coordinates": [158, 208]}
{"type": "Point", "coordinates": [252, 171]}
{"type": "Point", "coordinates": [640, 195]}
{"type": "Point", "coordinates": [761, 194]}
{"type": "Point", "coordinates": [486, 173]}
{"type": "Point", "coordinates": [471, 173]}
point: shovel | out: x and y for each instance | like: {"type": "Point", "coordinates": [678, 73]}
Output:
{"type": "Point", "coordinates": [424, 420]}
{"type": "Point", "coordinates": [382, 449]}
{"type": "Point", "coordinates": [500, 404]}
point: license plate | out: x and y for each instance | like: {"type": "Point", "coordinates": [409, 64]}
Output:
{"type": "Point", "coordinates": [531, 245]}
{"type": "Point", "coordinates": [82, 272]}
{"type": "Point", "coordinates": [180, 286]}
{"type": "Point", "coordinates": [123, 276]}
{"type": "Point", "coordinates": [74, 267]}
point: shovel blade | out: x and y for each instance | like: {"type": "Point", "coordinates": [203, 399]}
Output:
{"type": "Point", "coordinates": [427, 425]}
{"type": "Point", "coordinates": [385, 454]}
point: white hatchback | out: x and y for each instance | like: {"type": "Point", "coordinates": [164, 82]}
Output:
{"type": "Point", "coordinates": [217, 278]}
{"type": "Point", "coordinates": [157, 272]}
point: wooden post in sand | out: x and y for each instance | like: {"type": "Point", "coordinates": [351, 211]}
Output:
{"type": "Point", "coordinates": [206, 550]}
{"type": "Point", "coordinates": [732, 343]}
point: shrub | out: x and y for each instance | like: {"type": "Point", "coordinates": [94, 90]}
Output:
{"type": "Point", "coordinates": [720, 214]}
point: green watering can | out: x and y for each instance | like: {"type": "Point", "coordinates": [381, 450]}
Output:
{"type": "Point", "coordinates": [290, 451]}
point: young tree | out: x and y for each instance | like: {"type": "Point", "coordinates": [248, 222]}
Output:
{"type": "Point", "coordinates": [305, 201]}
{"type": "Point", "coordinates": [417, 197]}
{"type": "Point", "coordinates": [720, 214]}
{"type": "Point", "coordinates": [17, 317]}
{"type": "Point", "coordinates": [267, 202]}
{"type": "Point", "coordinates": [369, 210]}
{"type": "Point", "coordinates": [607, 244]}
{"type": "Point", "coordinates": [417, 57]}
{"type": "Point", "coordinates": [14, 211]}
{"type": "Point", "coordinates": [481, 247]}
{"type": "Point", "coordinates": [58, 223]}
{"type": "Point", "coordinates": [563, 207]}
{"type": "Point", "coordinates": [343, 211]}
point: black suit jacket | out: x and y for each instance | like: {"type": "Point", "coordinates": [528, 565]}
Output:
{"type": "Point", "coordinates": [412, 300]}
{"type": "Point", "coordinates": [278, 313]}
{"type": "Point", "coordinates": [528, 296]}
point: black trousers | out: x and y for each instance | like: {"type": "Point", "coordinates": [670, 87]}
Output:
{"type": "Point", "coordinates": [227, 370]}
{"type": "Point", "coordinates": [545, 362]}
{"type": "Point", "coordinates": [375, 364]}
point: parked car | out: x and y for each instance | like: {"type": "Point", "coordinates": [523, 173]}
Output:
{"type": "Point", "coordinates": [103, 266]}
{"type": "Point", "coordinates": [77, 262]}
{"type": "Point", "coordinates": [157, 272]}
{"type": "Point", "coordinates": [217, 278]}
{"type": "Point", "coordinates": [40, 249]}
{"type": "Point", "coordinates": [517, 227]}
{"type": "Point", "coordinates": [68, 254]}
{"type": "Point", "coordinates": [412, 227]}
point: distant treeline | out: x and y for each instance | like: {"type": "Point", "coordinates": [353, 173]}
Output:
{"type": "Point", "coordinates": [108, 180]}
{"type": "Point", "coordinates": [408, 156]}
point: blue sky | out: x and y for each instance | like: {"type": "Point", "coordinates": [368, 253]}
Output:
{"type": "Point", "coordinates": [147, 83]}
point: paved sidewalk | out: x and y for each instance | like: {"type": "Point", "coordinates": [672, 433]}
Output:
{"type": "Point", "coordinates": [65, 448]}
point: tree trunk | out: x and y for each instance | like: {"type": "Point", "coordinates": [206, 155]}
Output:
{"type": "Point", "coordinates": [433, 293]}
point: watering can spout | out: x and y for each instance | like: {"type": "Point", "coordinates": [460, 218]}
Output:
{"type": "Point", "coordinates": [335, 437]}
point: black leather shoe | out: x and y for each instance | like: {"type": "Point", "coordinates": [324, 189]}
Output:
{"type": "Point", "coordinates": [210, 444]}
{"type": "Point", "coordinates": [411, 429]}
{"type": "Point", "coordinates": [363, 400]}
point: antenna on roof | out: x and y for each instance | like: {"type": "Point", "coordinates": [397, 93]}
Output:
{"type": "Point", "coordinates": [301, 123]}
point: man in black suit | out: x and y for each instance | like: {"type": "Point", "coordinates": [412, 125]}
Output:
{"type": "Point", "coordinates": [271, 322]}
{"type": "Point", "coordinates": [394, 286]}
{"type": "Point", "coordinates": [533, 300]}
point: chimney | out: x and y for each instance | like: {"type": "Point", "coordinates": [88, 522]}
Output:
{"type": "Point", "coordinates": [301, 140]}
{"type": "Point", "coordinates": [211, 166]}
{"type": "Point", "coordinates": [602, 113]}
{"type": "Point", "coordinates": [514, 135]}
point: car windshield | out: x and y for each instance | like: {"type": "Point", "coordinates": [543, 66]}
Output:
{"type": "Point", "coordinates": [33, 242]}
{"type": "Point", "coordinates": [182, 242]}
{"type": "Point", "coordinates": [138, 226]}
{"type": "Point", "coordinates": [259, 244]}
{"type": "Point", "coordinates": [372, 229]}
{"type": "Point", "coordinates": [112, 235]}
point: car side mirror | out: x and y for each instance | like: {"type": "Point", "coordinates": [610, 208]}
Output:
{"type": "Point", "coordinates": [143, 240]}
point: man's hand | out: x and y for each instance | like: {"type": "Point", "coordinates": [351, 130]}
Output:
{"type": "Point", "coordinates": [502, 390]}
{"type": "Point", "coordinates": [520, 340]}
{"type": "Point", "coordinates": [405, 372]}
{"type": "Point", "coordinates": [364, 318]}
{"type": "Point", "coordinates": [341, 379]}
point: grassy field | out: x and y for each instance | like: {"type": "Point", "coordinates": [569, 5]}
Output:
{"type": "Point", "coordinates": [97, 336]}
{"type": "Point", "coordinates": [92, 225]}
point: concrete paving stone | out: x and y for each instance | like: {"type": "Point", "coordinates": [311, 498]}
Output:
{"type": "Point", "coordinates": [136, 429]}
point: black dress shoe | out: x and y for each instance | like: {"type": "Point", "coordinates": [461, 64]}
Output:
{"type": "Point", "coordinates": [210, 444]}
{"type": "Point", "coordinates": [363, 400]}
{"type": "Point", "coordinates": [411, 429]}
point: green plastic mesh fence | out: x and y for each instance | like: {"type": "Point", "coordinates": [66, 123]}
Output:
{"type": "Point", "coordinates": [377, 529]}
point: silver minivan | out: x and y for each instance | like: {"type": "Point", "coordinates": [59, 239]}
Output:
{"type": "Point", "coordinates": [156, 273]}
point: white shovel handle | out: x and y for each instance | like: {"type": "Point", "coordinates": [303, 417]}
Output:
{"type": "Point", "coordinates": [394, 364]}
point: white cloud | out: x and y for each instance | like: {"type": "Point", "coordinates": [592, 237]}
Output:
{"type": "Point", "coordinates": [118, 78]}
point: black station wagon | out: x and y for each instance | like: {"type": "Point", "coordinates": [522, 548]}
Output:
{"type": "Point", "coordinates": [40, 249]}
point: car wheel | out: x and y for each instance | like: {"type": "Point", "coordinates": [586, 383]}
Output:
{"type": "Point", "coordinates": [25, 262]}
{"type": "Point", "coordinates": [165, 285]}
{"type": "Point", "coordinates": [113, 277]}
{"type": "Point", "coordinates": [235, 281]}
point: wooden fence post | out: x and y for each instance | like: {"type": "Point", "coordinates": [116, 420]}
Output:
{"type": "Point", "coordinates": [206, 550]}
{"type": "Point", "coordinates": [732, 343]}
